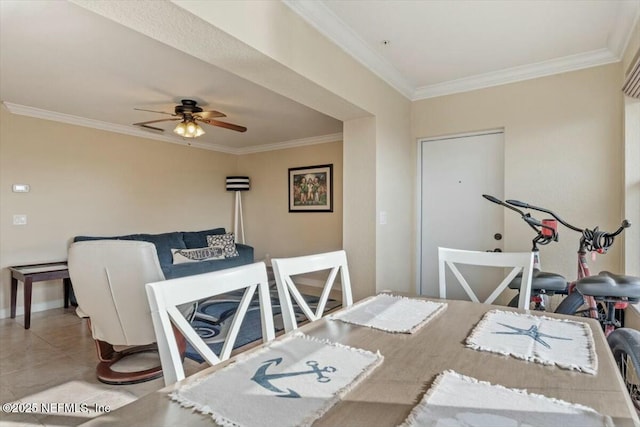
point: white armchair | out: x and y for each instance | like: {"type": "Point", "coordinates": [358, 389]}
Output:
{"type": "Point", "coordinates": [109, 278]}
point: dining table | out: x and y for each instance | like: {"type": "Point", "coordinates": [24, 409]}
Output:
{"type": "Point", "coordinates": [412, 361]}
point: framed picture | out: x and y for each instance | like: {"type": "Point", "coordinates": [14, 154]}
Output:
{"type": "Point", "coordinates": [311, 189]}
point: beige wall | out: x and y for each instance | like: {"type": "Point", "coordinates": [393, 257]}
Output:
{"type": "Point", "coordinates": [298, 62]}
{"type": "Point", "coordinates": [576, 116]}
{"type": "Point", "coordinates": [632, 162]}
{"type": "Point", "coordinates": [269, 226]}
{"type": "Point", "coordinates": [267, 43]}
{"type": "Point", "coordinates": [86, 181]}
{"type": "Point", "coordinates": [359, 227]}
{"type": "Point", "coordinates": [563, 150]}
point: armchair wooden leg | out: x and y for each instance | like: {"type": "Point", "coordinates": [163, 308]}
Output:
{"type": "Point", "coordinates": [108, 375]}
{"type": "Point", "coordinates": [105, 351]}
{"type": "Point", "coordinates": [108, 356]}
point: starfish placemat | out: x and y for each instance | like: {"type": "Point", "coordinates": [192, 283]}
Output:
{"type": "Point", "coordinates": [562, 342]}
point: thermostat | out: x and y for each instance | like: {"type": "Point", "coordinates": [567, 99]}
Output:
{"type": "Point", "coordinates": [21, 188]}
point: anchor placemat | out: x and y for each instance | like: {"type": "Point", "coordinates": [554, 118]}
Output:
{"type": "Point", "coordinates": [562, 342]}
{"type": "Point", "coordinates": [290, 382]}
{"type": "Point", "coordinates": [391, 313]}
{"type": "Point", "coordinates": [458, 400]}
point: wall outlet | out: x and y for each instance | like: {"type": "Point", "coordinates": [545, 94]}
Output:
{"type": "Point", "coordinates": [20, 219]}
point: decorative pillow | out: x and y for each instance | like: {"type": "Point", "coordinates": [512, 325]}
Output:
{"type": "Point", "coordinates": [226, 241]}
{"type": "Point", "coordinates": [181, 256]}
{"type": "Point", "coordinates": [198, 239]}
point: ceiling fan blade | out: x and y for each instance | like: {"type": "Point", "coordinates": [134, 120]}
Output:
{"type": "Point", "coordinates": [210, 114]}
{"type": "Point", "coordinates": [153, 111]}
{"type": "Point", "coordinates": [146, 124]}
{"type": "Point", "coordinates": [156, 121]}
{"type": "Point", "coordinates": [150, 127]}
{"type": "Point", "coordinates": [223, 124]}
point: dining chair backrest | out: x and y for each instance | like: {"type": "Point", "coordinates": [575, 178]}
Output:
{"type": "Point", "coordinates": [519, 261]}
{"type": "Point", "coordinates": [285, 268]}
{"type": "Point", "coordinates": [167, 296]}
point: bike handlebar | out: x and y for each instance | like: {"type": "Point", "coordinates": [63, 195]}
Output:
{"type": "Point", "coordinates": [500, 202]}
{"type": "Point", "coordinates": [537, 208]}
{"type": "Point", "coordinates": [531, 221]}
{"type": "Point", "coordinates": [492, 199]}
{"type": "Point", "coordinates": [592, 240]}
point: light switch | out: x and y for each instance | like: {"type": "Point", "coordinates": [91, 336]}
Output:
{"type": "Point", "coordinates": [20, 219]}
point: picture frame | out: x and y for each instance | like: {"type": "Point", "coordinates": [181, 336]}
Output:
{"type": "Point", "coordinates": [314, 197]}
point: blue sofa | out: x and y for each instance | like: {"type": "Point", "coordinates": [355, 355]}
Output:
{"type": "Point", "coordinates": [184, 240]}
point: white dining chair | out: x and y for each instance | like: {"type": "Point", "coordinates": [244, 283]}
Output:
{"type": "Point", "coordinates": [167, 296]}
{"type": "Point", "coordinates": [518, 261]}
{"type": "Point", "coordinates": [285, 268]}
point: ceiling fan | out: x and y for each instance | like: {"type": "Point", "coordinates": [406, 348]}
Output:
{"type": "Point", "coordinates": [190, 114]}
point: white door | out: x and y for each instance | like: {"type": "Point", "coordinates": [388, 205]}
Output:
{"type": "Point", "coordinates": [454, 174]}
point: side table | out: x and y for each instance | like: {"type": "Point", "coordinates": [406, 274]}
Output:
{"type": "Point", "coordinates": [28, 274]}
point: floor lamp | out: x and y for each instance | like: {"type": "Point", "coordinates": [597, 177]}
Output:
{"type": "Point", "coordinates": [238, 184]}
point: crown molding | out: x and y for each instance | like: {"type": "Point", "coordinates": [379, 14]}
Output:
{"type": "Point", "coordinates": [516, 74]}
{"type": "Point", "coordinates": [38, 113]}
{"type": "Point", "coordinates": [319, 16]}
{"type": "Point", "coordinates": [334, 137]}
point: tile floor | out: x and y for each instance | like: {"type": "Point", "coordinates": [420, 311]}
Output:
{"type": "Point", "coordinates": [53, 357]}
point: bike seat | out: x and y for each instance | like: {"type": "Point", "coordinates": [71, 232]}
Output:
{"type": "Point", "coordinates": [541, 280]}
{"type": "Point", "coordinates": [606, 284]}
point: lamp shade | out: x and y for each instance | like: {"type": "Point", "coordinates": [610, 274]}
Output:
{"type": "Point", "coordinates": [237, 183]}
{"type": "Point", "coordinates": [189, 129]}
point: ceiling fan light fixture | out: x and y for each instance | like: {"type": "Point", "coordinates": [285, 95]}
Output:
{"type": "Point", "coordinates": [189, 129]}
{"type": "Point", "coordinates": [181, 129]}
{"type": "Point", "coordinates": [190, 115]}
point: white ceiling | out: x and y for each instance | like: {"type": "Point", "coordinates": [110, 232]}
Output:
{"type": "Point", "coordinates": [82, 68]}
{"type": "Point", "coordinates": [438, 47]}
{"type": "Point", "coordinates": [64, 62]}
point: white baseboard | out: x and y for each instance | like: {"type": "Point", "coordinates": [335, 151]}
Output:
{"type": "Point", "coordinates": [41, 306]}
